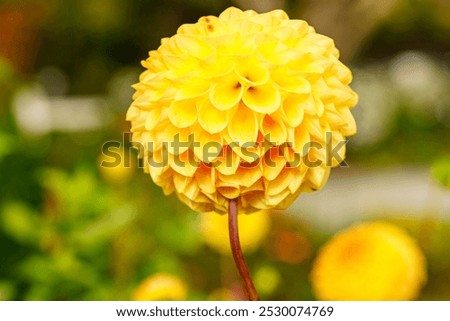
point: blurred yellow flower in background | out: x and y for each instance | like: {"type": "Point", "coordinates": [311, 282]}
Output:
{"type": "Point", "coordinates": [161, 287]}
{"type": "Point", "coordinates": [116, 167]}
{"type": "Point", "coordinates": [235, 106]}
{"type": "Point", "coordinates": [370, 261]}
{"type": "Point", "coordinates": [253, 231]}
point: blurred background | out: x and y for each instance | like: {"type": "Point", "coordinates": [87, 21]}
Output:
{"type": "Point", "coordinates": [70, 230]}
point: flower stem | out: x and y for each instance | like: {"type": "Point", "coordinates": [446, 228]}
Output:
{"type": "Point", "coordinates": [237, 251]}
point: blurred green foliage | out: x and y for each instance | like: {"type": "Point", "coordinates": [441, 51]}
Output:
{"type": "Point", "coordinates": [66, 233]}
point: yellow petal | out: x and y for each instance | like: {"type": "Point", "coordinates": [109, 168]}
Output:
{"type": "Point", "coordinates": [193, 45]}
{"type": "Point", "coordinates": [255, 199]}
{"type": "Point", "coordinates": [249, 153]}
{"type": "Point", "coordinates": [177, 140]}
{"type": "Point", "coordinates": [185, 164]}
{"type": "Point", "coordinates": [165, 180]}
{"type": "Point", "coordinates": [216, 66]}
{"type": "Point", "coordinates": [337, 143]}
{"type": "Point", "coordinates": [252, 74]}
{"type": "Point", "coordinates": [299, 174]}
{"type": "Point", "coordinates": [235, 44]}
{"type": "Point", "coordinates": [274, 50]}
{"type": "Point", "coordinates": [307, 63]}
{"type": "Point", "coordinates": [293, 110]}
{"type": "Point", "coordinates": [317, 176]}
{"type": "Point", "coordinates": [273, 200]}
{"type": "Point", "coordinates": [301, 141]}
{"type": "Point", "coordinates": [350, 128]}
{"type": "Point", "coordinates": [244, 177]}
{"type": "Point", "coordinates": [183, 113]}
{"type": "Point", "coordinates": [243, 126]}
{"type": "Point", "coordinates": [182, 64]}
{"type": "Point", "coordinates": [320, 108]}
{"type": "Point", "coordinates": [191, 88]}
{"type": "Point", "coordinates": [257, 186]}
{"type": "Point", "coordinates": [228, 162]}
{"type": "Point", "coordinates": [290, 81]}
{"type": "Point", "coordinates": [228, 190]}
{"type": "Point", "coordinates": [211, 119]}
{"type": "Point", "coordinates": [206, 178]}
{"type": "Point", "coordinates": [181, 182]}
{"type": "Point", "coordinates": [207, 146]}
{"type": "Point", "coordinates": [231, 13]}
{"type": "Point", "coordinates": [333, 116]}
{"type": "Point", "coordinates": [152, 119]}
{"type": "Point", "coordinates": [273, 163]}
{"type": "Point", "coordinates": [273, 130]}
{"type": "Point", "coordinates": [281, 182]}
{"type": "Point", "coordinates": [312, 124]}
{"type": "Point", "coordinates": [226, 94]}
{"type": "Point", "coordinates": [263, 99]}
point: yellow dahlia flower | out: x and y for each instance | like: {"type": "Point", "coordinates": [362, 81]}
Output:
{"type": "Point", "coordinates": [371, 261]}
{"type": "Point", "coordinates": [253, 230]}
{"type": "Point", "coordinates": [239, 106]}
{"type": "Point", "coordinates": [161, 287]}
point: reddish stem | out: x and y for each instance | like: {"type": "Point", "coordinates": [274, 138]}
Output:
{"type": "Point", "coordinates": [237, 251]}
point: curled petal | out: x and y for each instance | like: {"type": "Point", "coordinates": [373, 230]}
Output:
{"type": "Point", "coordinates": [274, 130]}
{"type": "Point", "coordinates": [152, 119]}
{"type": "Point", "coordinates": [181, 182]}
{"type": "Point", "coordinates": [243, 126]}
{"type": "Point", "coordinates": [231, 13]}
{"type": "Point", "coordinates": [245, 176]}
{"type": "Point", "coordinates": [207, 146]}
{"type": "Point", "coordinates": [228, 190]}
{"type": "Point", "coordinates": [290, 81]}
{"type": "Point", "coordinates": [317, 176]}
{"type": "Point", "coordinates": [293, 110]}
{"type": "Point", "coordinates": [176, 140]}
{"type": "Point", "coordinates": [281, 182]}
{"type": "Point", "coordinates": [191, 89]}
{"type": "Point", "coordinates": [183, 113]}
{"type": "Point", "coordinates": [307, 63]}
{"type": "Point", "coordinates": [302, 140]}
{"type": "Point", "coordinates": [248, 153]}
{"type": "Point", "coordinates": [185, 164]}
{"type": "Point", "coordinates": [273, 163]}
{"type": "Point", "coordinates": [320, 108]}
{"type": "Point", "coordinates": [226, 94]}
{"type": "Point", "coordinates": [228, 162]}
{"type": "Point", "coordinates": [165, 180]}
{"type": "Point", "coordinates": [235, 44]}
{"type": "Point", "coordinates": [193, 45]}
{"type": "Point", "coordinates": [206, 178]}
{"type": "Point", "coordinates": [273, 200]}
{"type": "Point", "coordinates": [216, 66]}
{"type": "Point", "coordinates": [263, 99]}
{"type": "Point", "coordinates": [299, 174]}
{"type": "Point", "coordinates": [314, 128]}
{"type": "Point", "coordinates": [212, 119]}
{"type": "Point", "coordinates": [350, 127]}
{"type": "Point", "coordinates": [181, 64]}
{"type": "Point", "coordinates": [252, 74]}
{"type": "Point", "coordinates": [337, 143]}
{"type": "Point", "coordinates": [257, 186]}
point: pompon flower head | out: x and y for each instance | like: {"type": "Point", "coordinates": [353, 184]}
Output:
{"type": "Point", "coordinates": [238, 107]}
{"type": "Point", "coordinates": [370, 261]}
